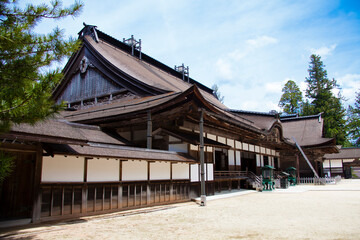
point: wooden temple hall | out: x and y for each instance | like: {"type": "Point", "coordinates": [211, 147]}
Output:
{"type": "Point", "coordinates": [134, 134]}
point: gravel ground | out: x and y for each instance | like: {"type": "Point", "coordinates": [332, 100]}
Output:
{"type": "Point", "coordinates": [300, 212]}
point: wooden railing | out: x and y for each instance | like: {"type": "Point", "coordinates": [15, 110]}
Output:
{"type": "Point", "coordinates": [250, 177]}
{"type": "Point", "coordinates": [230, 174]}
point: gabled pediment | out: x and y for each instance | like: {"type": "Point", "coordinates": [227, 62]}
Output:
{"type": "Point", "coordinates": [89, 77]}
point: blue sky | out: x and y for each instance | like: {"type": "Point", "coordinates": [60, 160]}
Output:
{"type": "Point", "coordinates": [248, 48]}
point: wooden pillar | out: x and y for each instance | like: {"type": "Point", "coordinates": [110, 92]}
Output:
{"type": "Point", "coordinates": [202, 168]}
{"type": "Point", "coordinates": [297, 166]}
{"type": "Point", "coordinates": [36, 210]}
{"type": "Point", "coordinates": [148, 186]}
{"type": "Point", "coordinates": [149, 131]}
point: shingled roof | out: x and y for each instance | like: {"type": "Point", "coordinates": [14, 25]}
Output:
{"type": "Point", "coordinates": [308, 131]}
{"type": "Point", "coordinates": [127, 153]}
{"type": "Point", "coordinates": [59, 131]}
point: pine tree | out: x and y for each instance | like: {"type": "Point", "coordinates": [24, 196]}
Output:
{"type": "Point", "coordinates": [25, 59]}
{"type": "Point", "coordinates": [354, 121]}
{"type": "Point", "coordinates": [26, 78]}
{"type": "Point", "coordinates": [322, 100]}
{"type": "Point", "coordinates": [291, 98]}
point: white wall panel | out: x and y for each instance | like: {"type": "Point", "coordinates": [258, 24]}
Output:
{"type": "Point", "coordinates": [326, 164]}
{"type": "Point", "coordinates": [230, 142]}
{"type": "Point", "coordinates": [238, 145]}
{"type": "Point", "coordinates": [251, 148]}
{"type": "Point", "coordinates": [258, 161]}
{"type": "Point", "coordinates": [268, 151]}
{"type": "Point", "coordinates": [336, 163]}
{"type": "Point", "coordinates": [62, 169]}
{"type": "Point", "coordinates": [194, 173]}
{"type": "Point", "coordinates": [238, 158]}
{"type": "Point", "coordinates": [134, 170]}
{"type": "Point", "coordinates": [245, 146]}
{"type": "Point", "coordinates": [262, 150]}
{"type": "Point", "coordinates": [231, 157]}
{"type": "Point", "coordinates": [222, 140]}
{"type": "Point", "coordinates": [181, 147]}
{"type": "Point", "coordinates": [210, 171]}
{"type": "Point", "coordinates": [194, 147]}
{"type": "Point", "coordinates": [102, 170]}
{"type": "Point", "coordinates": [211, 136]}
{"type": "Point", "coordinates": [180, 171]}
{"type": "Point", "coordinates": [159, 170]}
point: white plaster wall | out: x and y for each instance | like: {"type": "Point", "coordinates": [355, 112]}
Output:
{"type": "Point", "coordinates": [336, 163]}
{"type": "Point", "coordinates": [238, 158]}
{"type": "Point", "coordinates": [251, 148]}
{"type": "Point", "coordinates": [245, 146]}
{"type": "Point", "coordinates": [194, 147]}
{"type": "Point", "coordinates": [181, 147]}
{"type": "Point", "coordinates": [180, 171]}
{"type": "Point", "coordinates": [160, 170]}
{"type": "Point", "coordinates": [230, 142]}
{"type": "Point", "coordinates": [238, 145]}
{"type": "Point", "coordinates": [231, 157]}
{"type": "Point", "coordinates": [326, 164]}
{"type": "Point", "coordinates": [209, 149]}
{"type": "Point", "coordinates": [268, 151]}
{"type": "Point", "coordinates": [262, 150]}
{"type": "Point", "coordinates": [222, 140]}
{"type": "Point", "coordinates": [134, 170]}
{"type": "Point", "coordinates": [194, 172]}
{"type": "Point", "coordinates": [102, 170]}
{"type": "Point", "coordinates": [210, 171]}
{"type": "Point", "coordinates": [258, 162]}
{"type": "Point", "coordinates": [62, 169]}
{"type": "Point", "coordinates": [257, 149]}
{"type": "Point", "coordinates": [211, 136]}
{"type": "Point", "coordinates": [271, 161]}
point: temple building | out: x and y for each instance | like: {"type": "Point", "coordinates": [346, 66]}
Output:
{"type": "Point", "coordinates": [134, 134]}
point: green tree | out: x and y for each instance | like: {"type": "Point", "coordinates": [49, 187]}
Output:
{"type": "Point", "coordinates": [354, 121]}
{"type": "Point", "coordinates": [291, 98]}
{"type": "Point", "coordinates": [322, 100]}
{"type": "Point", "coordinates": [217, 93]}
{"type": "Point", "coordinates": [26, 59]}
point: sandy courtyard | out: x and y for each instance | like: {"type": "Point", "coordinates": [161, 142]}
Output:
{"type": "Point", "coordinates": [301, 212]}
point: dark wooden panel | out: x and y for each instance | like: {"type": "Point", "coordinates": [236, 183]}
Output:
{"type": "Point", "coordinates": [16, 192]}
{"type": "Point", "coordinates": [90, 85]}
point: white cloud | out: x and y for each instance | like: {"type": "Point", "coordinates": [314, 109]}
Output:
{"type": "Point", "coordinates": [323, 51]}
{"type": "Point", "coordinates": [274, 87]}
{"type": "Point", "coordinates": [350, 84]}
{"type": "Point", "coordinates": [261, 41]}
{"type": "Point", "coordinates": [224, 68]}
